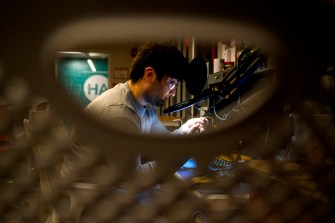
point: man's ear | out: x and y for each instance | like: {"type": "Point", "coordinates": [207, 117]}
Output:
{"type": "Point", "coordinates": [150, 74]}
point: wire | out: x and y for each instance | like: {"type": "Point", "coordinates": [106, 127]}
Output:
{"type": "Point", "coordinates": [224, 118]}
{"type": "Point", "coordinates": [216, 115]}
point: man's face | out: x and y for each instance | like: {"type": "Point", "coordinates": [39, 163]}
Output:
{"type": "Point", "coordinates": [161, 91]}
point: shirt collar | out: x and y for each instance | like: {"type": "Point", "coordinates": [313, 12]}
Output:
{"type": "Point", "coordinates": [140, 110]}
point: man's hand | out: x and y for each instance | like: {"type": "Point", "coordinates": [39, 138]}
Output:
{"type": "Point", "coordinates": [194, 126]}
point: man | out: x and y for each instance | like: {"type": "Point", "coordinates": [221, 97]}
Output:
{"type": "Point", "coordinates": [156, 70]}
{"type": "Point", "coordinates": [131, 106]}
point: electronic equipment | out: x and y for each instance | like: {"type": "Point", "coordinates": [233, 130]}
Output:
{"type": "Point", "coordinates": [225, 86]}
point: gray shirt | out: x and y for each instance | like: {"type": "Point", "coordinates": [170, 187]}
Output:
{"type": "Point", "coordinates": [117, 108]}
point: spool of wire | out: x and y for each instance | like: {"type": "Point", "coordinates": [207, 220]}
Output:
{"type": "Point", "coordinates": [225, 165]}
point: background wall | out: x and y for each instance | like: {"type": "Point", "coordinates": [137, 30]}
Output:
{"type": "Point", "coordinates": [119, 57]}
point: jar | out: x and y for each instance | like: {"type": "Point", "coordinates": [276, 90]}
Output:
{"type": "Point", "coordinates": [228, 64]}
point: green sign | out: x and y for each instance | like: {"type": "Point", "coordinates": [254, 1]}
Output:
{"type": "Point", "coordinates": [80, 81]}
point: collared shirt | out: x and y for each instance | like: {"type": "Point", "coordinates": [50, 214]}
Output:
{"type": "Point", "coordinates": [118, 108]}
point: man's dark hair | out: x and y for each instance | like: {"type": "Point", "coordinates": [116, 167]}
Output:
{"type": "Point", "coordinates": [163, 57]}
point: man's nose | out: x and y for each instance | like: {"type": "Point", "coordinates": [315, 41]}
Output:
{"type": "Point", "coordinates": [172, 92]}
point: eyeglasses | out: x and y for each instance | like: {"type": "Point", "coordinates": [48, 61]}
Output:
{"type": "Point", "coordinates": [172, 83]}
